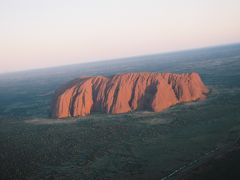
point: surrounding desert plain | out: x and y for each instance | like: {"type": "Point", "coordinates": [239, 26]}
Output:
{"type": "Point", "coordinates": [183, 142]}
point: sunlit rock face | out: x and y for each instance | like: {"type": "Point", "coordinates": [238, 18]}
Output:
{"type": "Point", "coordinates": [127, 92]}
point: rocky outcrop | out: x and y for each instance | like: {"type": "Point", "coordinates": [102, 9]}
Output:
{"type": "Point", "coordinates": [127, 92]}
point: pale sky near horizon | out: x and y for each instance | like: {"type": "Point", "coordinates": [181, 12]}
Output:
{"type": "Point", "coordinates": [44, 33]}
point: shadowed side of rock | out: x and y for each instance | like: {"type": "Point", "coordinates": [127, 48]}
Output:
{"type": "Point", "coordinates": [127, 92]}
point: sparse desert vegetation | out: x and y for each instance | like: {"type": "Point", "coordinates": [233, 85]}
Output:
{"type": "Point", "coordinates": [140, 145]}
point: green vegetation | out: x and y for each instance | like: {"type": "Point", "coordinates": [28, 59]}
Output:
{"type": "Point", "coordinates": [140, 145]}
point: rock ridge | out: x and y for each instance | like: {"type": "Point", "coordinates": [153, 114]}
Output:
{"type": "Point", "coordinates": [127, 92]}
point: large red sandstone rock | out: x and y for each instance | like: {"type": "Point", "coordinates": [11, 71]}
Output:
{"type": "Point", "coordinates": [127, 92]}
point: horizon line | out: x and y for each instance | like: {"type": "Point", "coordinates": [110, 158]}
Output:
{"type": "Point", "coordinates": [119, 58]}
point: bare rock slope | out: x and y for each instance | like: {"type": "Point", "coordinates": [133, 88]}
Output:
{"type": "Point", "coordinates": [127, 92]}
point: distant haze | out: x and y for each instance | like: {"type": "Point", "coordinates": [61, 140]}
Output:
{"type": "Point", "coordinates": [35, 34]}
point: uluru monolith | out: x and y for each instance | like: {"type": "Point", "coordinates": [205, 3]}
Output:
{"type": "Point", "coordinates": [127, 92]}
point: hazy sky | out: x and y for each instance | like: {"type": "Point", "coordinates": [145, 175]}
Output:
{"type": "Point", "coordinates": [42, 33]}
